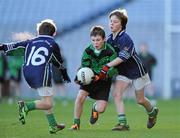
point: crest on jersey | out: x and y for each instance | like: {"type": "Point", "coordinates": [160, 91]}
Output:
{"type": "Point", "coordinates": [126, 48]}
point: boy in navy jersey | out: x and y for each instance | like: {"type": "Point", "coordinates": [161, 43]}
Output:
{"type": "Point", "coordinates": [131, 70]}
{"type": "Point", "coordinates": [38, 54]}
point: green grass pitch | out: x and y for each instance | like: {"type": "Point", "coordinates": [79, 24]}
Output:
{"type": "Point", "coordinates": [168, 123]}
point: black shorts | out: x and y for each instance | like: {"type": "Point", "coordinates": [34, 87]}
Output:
{"type": "Point", "coordinates": [99, 90]}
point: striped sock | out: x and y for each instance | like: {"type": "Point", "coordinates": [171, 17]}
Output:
{"type": "Point", "coordinates": [77, 121]}
{"type": "Point", "coordinates": [94, 108]}
{"type": "Point", "coordinates": [51, 119]}
{"type": "Point", "coordinates": [152, 112]}
{"type": "Point", "coordinates": [122, 119]}
{"type": "Point", "coordinates": [30, 105]}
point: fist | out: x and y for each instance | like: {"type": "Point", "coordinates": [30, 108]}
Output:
{"type": "Point", "coordinates": [103, 72]}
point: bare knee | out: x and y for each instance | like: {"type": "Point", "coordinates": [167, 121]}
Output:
{"type": "Point", "coordinates": [140, 98]}
{"type": "Point", "coordinates": [101, 106]}
{"type": "Point", "coordinates": [48, 104]}
{"type": "Point", "coordinates": [80, 98]}
{"type": "Point", "coordinates": [117, 95]}
{"type": "Point", "coordinates": [101, 109]}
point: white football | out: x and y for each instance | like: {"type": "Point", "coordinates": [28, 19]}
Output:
{"type": "Point", "coordinates": [84, 75]}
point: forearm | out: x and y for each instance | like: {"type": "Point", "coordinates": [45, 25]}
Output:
{"type": "Point", "coordinates": [115, 62]}
{"type": "Point", "coordinates": [105, 71]}
{"type": "Point", "coordinates": [112, 71]}
{"type": "Point", "coordinates": [9, 47]}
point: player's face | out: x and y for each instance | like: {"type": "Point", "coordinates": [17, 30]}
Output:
{"type": "Point", "coordinates": [97, 41]}
{"type": "Point", "coordinates": [115, 24]}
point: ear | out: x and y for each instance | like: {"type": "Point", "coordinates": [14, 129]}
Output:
{"type": "Point", "coordinates": [54, 34]}
{"type": "Point", "coordinates": [37, 32]}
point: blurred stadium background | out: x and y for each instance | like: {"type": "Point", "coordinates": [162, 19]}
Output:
{"type": "Point", "coordinates": [156, 22]}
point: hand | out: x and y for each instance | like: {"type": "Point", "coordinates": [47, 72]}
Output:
{"type": "Point", "coordinates": [65, 75]}
{"type": "Point", "coordinates": [103, 72]}
{"type": "Point", "coordinates": [95, 78]}
{"type": "Point", "coordinates": [76, 81]}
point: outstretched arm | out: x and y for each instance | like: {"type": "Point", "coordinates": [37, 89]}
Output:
{"type": "Point", "coordinates": [16, 49]}
{"type": "Point", "coordinates": [123, 56]}
{"type": "Point", "coordinates": [58, 62]}
{"type": "Point", "coordinates": [115, 62]}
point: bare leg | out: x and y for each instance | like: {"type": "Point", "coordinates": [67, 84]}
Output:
{"type": "Point", "coordinates": [101, 106]}
{"type": "Point", "coordinates": [45, 103]}
{"type": "Point", "coordinates": [119, 88]}
{"type": "Point", "coordinates": [142, 100]}
{"type": "Point", "coordinates": [152, 111]}
{"type": "Point", "coordinates": [78, 108]}
{"type": "Point", "coordinates": [98, 107]}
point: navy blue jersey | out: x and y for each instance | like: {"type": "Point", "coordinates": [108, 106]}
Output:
{"type": "Point", "coordinates": [38, 54]}
{"type": "Point", "coordinates": [132, 66]}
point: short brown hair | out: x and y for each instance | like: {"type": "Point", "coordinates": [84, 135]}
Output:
{"type": "Point", "coordinates": [121, 15]}
{"type": "Point", "coordinates": [46, 29]}
{"type": "Point", "coordinates": [97, 30]}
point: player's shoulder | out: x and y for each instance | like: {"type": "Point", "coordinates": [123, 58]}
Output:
{"type": "Point", "coordinates": [89, 49]}
{"type": "Point", "coordinates": [125, 38]}
{"type": "Point", "coordinates": [109, 37]}
{"type": "Point", "coordinates": [55, 44]}
{"type": "Point", "coordinates": [124, 35]}
{"type": "Point", "coordinates": [109, 47]}
{"type": "Point", "coordinates": [109, 50]}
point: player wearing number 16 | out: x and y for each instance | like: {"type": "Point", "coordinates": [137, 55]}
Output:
{"type": "Point", "coordinates": [38, 54]}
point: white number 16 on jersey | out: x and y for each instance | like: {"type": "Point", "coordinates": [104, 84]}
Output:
{"type": "Point", "coordinates": [34, 55]}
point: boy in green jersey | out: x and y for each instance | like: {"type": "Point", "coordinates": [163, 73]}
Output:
{"type": "Point", "coordinates": [95, 56]}
{"type": "Point", "coordinates": [14, 70]}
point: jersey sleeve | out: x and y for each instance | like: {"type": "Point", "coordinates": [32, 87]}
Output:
{"type": "Point", "coordinates": [112, 71]}
{"type": "Point", "coordinates": [15, 48]}
{"type": "Point", "coordinates": [56, 57]}
{"type": "Point", "coordinates": [58, 62]}
{"type": "Point", "coordinates": [86, 59]}
{"type": "Point", "coordinates": [127, 49]}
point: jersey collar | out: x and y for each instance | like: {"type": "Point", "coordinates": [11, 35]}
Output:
{"type": "Point", "coordinates": [119, 34]}
{"type": "Point", "coordinates": [46, 36]}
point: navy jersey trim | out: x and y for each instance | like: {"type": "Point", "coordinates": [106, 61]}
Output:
{"type": "Point", "coordinates": [61, 66]}
{"type": "Point", "coordinates": [140, 66]}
